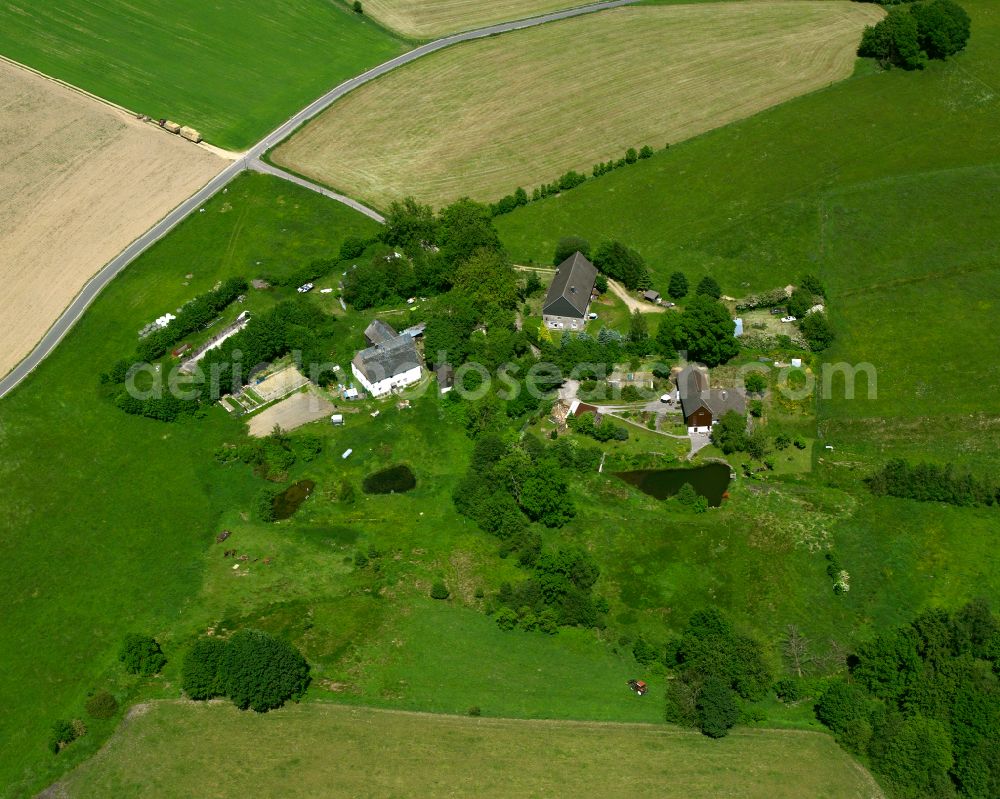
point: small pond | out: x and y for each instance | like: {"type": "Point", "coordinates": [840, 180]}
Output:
{"type": "Point", "coordinates": [395, 480]}
{"type": "Point", "coordinates": [289, 500]}
{"type": "Point", "coordinates": [710, 480]}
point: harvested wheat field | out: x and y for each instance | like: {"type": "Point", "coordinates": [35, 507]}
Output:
{"type": "Point", "coordinates": [427, 19]}
{"type": "Point", "coordinates": [482, 118]}
{"type": "Point", "coordinates": [79, 180]}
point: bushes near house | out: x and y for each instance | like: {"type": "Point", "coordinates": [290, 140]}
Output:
{"type": "Point", "coordinates": [439, 591]}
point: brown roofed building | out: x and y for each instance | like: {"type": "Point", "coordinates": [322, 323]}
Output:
{"type": "Point", "coordinates": [703, 407]}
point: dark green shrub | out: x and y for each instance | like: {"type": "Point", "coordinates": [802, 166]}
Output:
{"type": "Point", "coordinates": [352, 247]}
{"type": "Point", "coordinates": [101, 705]}
{"type": "Point", "coordinates": [474, 711]}
{"type": "Point", "coordinates": [201, 669]}
{"type": "Point", "coordinates": [141, 654]}
{"type": "Point", "coordinates": [718, 710]}
{"type": "Point", "coordinates": [678, 287]}
{"type": "Point", "coordinates": [840, 704]}
{"type": "Point", "coordinates": [787, 690]}
{"type": "Point", "coordinates": [709, 287]}
{"type": "Point", "coordinates": [440, 591]}
{"type": "Point", "coordinates": [358, 9]}
{"type": "Point", "coordinates": [568, 245]}
{"type": "Point", "coordinates": [62, 734]}
{"type": "Point", "coordinates": [263, 503]}
{"type": "Point", "coordinates": [643, 652]}
{"type": "Point", "coordinates": [261, 672]}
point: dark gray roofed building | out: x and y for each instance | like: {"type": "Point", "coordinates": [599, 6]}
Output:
{"type": "Point", "coordinates": [702, 407]}
{"type": "Point", "coordinates": [384, 367]}
{"type": "Point", "coordinates": [378, 332]}
{"type": "Point", "coordinates": [568, 297]}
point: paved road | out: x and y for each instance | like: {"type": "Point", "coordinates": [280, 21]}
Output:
{"type": "Point", "coordinates": [251, 160]}
{"type": "Point", "coordinates": [262, 166]}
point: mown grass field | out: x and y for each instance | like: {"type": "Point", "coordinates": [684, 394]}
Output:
{"type": "Point", "coordinates": [521, 109]}
{"type": "Point", "coordinates": [178, 749]}
{"type": "Point", "coordinates": [200, 64]}
{"type": "Point", "coordinates": [423, 20]}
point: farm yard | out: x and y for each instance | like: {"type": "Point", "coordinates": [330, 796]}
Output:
{"type": "Point", "coordinates": [165, 747]}
{"type": "Point", "coordinates": [80, 180]}
{"type": "Point", "coordinates": [200, 64]}
{"type": "Point", "coordinates": [293, 412]}
{"type": "Point", "coordinates": [492, 595]}
{"type": "Point", "coordinates": [422, 20]}
{"type": "Point", "coordinates": [482, 118]}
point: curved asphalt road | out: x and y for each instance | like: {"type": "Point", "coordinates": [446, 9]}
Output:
{"type": "Point", "coordinates": [251, 160]}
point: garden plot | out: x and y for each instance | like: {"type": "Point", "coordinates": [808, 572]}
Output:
{"type": "Point", "coordinates": [294, 411]}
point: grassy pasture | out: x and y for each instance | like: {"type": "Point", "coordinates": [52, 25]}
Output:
{"type": "Point", "coordinates": [106, 516]}
{"type": "Point", "coordinates": [884, 185]}
{"type": "Point", "coordinates": [481, 118]}
{"type": "Point", "coordinates": [175, 749]}
{"type": "Point", "coordinates": [201, 64]}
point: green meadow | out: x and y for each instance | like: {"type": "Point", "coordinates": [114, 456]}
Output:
{"type": "Point", "coordinates": [311, 750]}
{"type": "Point", "coordinates": [233, 70]}
{"type": "Point", "coordinates": [885, 185]}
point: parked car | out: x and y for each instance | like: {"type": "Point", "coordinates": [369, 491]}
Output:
{"type": "Point", "coordinates": [593, 316]}
{"type": "Point", "coordinates": [304, 288]}
{"type": "Point", "coordinates": [787, 318]}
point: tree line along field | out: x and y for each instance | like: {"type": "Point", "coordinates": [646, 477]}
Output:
{"type": "Point", "coordinates": [341, 751]}
{"type": "Point", "coordinates": [200, 64]}
{"type": "Point", "coordinates": [75, 189]}
{"type": "Point", "coordinates": [482, 118]}
{"type": "Point", "coordinates": [883, 185]}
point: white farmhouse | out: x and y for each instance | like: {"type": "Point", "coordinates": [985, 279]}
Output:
{"type": "Point", "coordinates": [391, 364]}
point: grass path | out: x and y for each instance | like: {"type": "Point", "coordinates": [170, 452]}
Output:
{"type": "Point", "coordinates": [181, 749]}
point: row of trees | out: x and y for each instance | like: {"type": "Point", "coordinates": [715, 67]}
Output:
{"type": "Point", "coordinates": [569, 180]}
{"type": "Point", "coordinates": [912, 33]}
{"type": "Point", "coordinates": [929, 482]}
{"type": "Point", "coordinates": [192, 317]}
{"type": "Point", "coordinates": [923, 705]}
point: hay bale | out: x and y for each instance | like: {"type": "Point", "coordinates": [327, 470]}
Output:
{"type": "Point", "coordinates": [173, 127]}
{"type": "Point", "coordinates": [191, 134]}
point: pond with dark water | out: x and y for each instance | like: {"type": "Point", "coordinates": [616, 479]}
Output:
{"type": "Point", "coordinates": [395, 480]}
{"type": "Point", "coordinates": [710, 481]}
{"type": "Point", "coordinates": [289, 500]}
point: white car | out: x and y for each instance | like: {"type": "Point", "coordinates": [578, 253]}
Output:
{"type": "Point", "coordinates": [787, 318]}
{"type": "Point", "coordinates": [593, 316]}
{"type": "Point", "coordinates": [304, 288]}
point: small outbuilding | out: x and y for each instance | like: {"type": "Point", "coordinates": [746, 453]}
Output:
{"type": "Point", "coordinates": [651, 296]}
{"type": "Point", "coordinates": [337, 419]}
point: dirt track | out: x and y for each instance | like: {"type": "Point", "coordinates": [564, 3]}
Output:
{"type": "Point", "coordinates": [79, 180]}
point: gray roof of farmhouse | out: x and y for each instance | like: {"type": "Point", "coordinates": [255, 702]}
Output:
{"type": "Point", "coordinates": [378, 332]}
{"type": "Point", "coordinates": [569, 294]}
{"type": "Point", "coordinates": [388, 360]}
{"type": "Point", "coordinates": [692, 385]}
